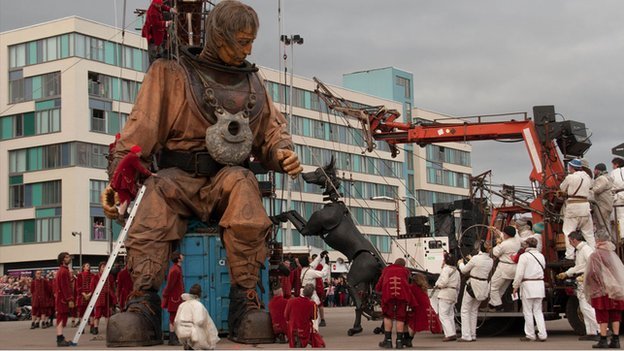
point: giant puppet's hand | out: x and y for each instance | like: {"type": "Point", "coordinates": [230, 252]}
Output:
{"type": "Point", "coordinates": [290, 162]}
{"type": "Point", "coordinates": [109, 199]}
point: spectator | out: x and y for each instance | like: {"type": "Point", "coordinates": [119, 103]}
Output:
{"type": "Point", "coordinates": [529, 279]}
{"type": "Point", "coordinates": [604, 275]}
{"type": "Point", "coordinates": [105, 301]}
{"type": "Point", "coordinates": [64, 297]}
{"type": "Point", "coordinates": [448, 286]}
{"type": "Point", "coordinates": [395, 297]}
{"type": "Point", "coordinates": [277, 306]}
{"type": "Point", "coordinates": [193, 325]}
{"type": "Point", "coordinates": [331, 290]}
{"type": "Point", "coordinates": [172, 292]}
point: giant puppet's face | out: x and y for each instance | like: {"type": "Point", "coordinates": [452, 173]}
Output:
{"type": "Point", "coordinates": [235, 55]}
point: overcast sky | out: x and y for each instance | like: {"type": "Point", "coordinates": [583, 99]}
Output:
{"type": "Point", "coordinates": [467, 57]}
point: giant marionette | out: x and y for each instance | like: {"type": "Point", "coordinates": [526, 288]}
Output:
{"type": "Point", "coordinates": [205, 114]}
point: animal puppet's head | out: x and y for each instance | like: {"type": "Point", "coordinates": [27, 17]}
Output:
{"type": "Point", "coordinates": [325, 177]}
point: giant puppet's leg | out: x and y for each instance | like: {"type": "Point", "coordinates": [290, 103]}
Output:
{"type": "Point", "coordinates": [246, 227]}
{"type": "Point", "coordinates": [159, 220]}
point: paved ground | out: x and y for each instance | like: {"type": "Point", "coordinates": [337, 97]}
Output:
{"type": "Point", "coordinates": [17, 335]}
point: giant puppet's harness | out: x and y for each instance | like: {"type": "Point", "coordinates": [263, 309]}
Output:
{"type": "Point", "coordinates": [334, 224]}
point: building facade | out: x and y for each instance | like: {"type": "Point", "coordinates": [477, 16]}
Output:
{"type": "Point", "coordinates": [71, 86]}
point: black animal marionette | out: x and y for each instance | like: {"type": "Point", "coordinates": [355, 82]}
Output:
{"type": "Point", "coordinates": [334, 224]}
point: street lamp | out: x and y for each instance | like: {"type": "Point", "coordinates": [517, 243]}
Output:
{"type": "Point", "coordinates": [290, 41]}
{"type": "Point", "coordinates": [396, 209]}
{"type": "Point", "coordinates": [79, 234]}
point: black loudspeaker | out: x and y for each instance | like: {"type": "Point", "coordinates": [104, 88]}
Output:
{"type": "Point", "coordinates": [545, 123]}
{"type": "Point", "coordinates": [417, 226]}
{"type": "Point", "coordinates": [618, 150]}
{"type": "Point", "coordinates": [574, 140]}
{"type": "Point", "coordinates": [443, 207]}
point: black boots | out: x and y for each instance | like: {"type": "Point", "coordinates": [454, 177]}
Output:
{"type": "Point", "coordinates": [173, 339]}
{"type": "Point", "coordinates": [602, 343]}
{"type": "Point", "coordinates": [407, 340]}
{"type": "Point", "coordinates": [399, 341]}
{"type": "Point", "coordinates": [140, 324]}
{"type": "Point", "coordinates": [34, 325]}
{"type": "Point", "coordinates": [387, 341]}
{"type": "Point", "coordinates": [615, 342]}
{"type": "Point", "coordinates": [247, 322]}
{"type": "Point", "coordinates": [322, 323]}
{"type": "Point", "coordinates": [61, 342]}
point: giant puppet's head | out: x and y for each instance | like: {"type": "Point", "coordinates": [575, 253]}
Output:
{"type": "Point", "coordinates": [231, 28]}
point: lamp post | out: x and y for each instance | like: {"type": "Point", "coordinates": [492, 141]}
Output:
{"type": "Point", "coordinates": [79, 234]}
{"type": "Point", "coordinates": [396, 209]}
{"type": "Point", "coordinates": [290, 41]}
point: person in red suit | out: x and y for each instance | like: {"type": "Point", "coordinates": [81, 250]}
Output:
{"type": "Point", "coordinates": [395, 297]}
{"type": "Point", "coordinates": [286, 280]}
{"type": "Point", "coordinates": [124, 287]}
{"type": "Point", "coordinates": [125, 178]}
{"type": "Point", "coordinates": [299, 313]}
{"type": "Point", "coordinates": [155, 29]}
{"type": "Point", "coordinates": [64, 297]}
{"type": "Point", "coordinates": [173, 292]}
{"type": "Point", "coordinates": [295, 278]}
{"type": "Point", "coordinates": [419, 318]}
{"type": "Point", "coordinates": [39, 291]}
{"type": "Point", "coordinates": [50, 300]}
{"type": "Point", "coordinates": [83, 291]}
{"type": "Point", "coordinates": [320, 291]}
{"type": "Point", "coordinates": [73, 312]}
{"type": "Point", "coordinates": [105, 301]}
{"type": "Point", "coordinates": [277, 306]}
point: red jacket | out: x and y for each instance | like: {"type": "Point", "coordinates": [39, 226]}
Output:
{"type": "Point", "coordinates": [295, 279]}
{"type": "Point", "coordinates": [394, 284]}
{"type": "Point", "coordinates": [124, 287]}
{"type": "Point", "coordinates": [62, 290]}
{"type": "Point", "coordinates": [40, 292]}
{"type": "Point", "coordinates": [320, 287]}
{"type": "Point", "coordinates": [299, 314]}
{"type": "Point", "coordinates": [174, 289]}
{"type": "Point", "coordinates": [154, 29]}
{"type": "Point", "coordinates": [125, 175]}
{"type": "Point", "coordinates": [418, 318]}
{"type": "Point", "coordinates": [277, 306]}
{"type": "Point", "coordinates": [107, 295]}
{"type": "Point", "coordinates": [286, 283]}
{"type": "Point", "coordinates": [83, 285]}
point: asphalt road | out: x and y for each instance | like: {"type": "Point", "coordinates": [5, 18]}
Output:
{"type": "Point", "coordinates": [18, 336]}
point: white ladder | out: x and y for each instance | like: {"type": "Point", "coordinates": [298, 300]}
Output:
{"type": "Point", "coordinates": [109, 266]}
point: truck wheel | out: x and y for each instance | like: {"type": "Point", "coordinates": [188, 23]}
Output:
{"type": "Point", "coordinates": [574, 315]}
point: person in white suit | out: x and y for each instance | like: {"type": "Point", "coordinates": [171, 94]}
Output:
{"type": "Point", "coordinates": [448, 286]}
{"type": "Point", "coordinates": [193, 325]}
{"type": "Point", "coordinates": [477, 289]}
{"type": "Point", "coordinates": [529, 280]}
{"type": "Point", "coordinates": [506, 268]}
{"type": "Point", "coordinates": [583, 251]}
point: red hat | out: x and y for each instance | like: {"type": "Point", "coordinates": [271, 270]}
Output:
{"type": "Point", "coordinates": [157, 2]}
{"type": "Point", "coordinates": [135, 149]}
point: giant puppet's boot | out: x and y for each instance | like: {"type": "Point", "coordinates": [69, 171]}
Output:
{"type": "Point", "coordinates": [247, 322]}
{"type": "Point", "coordinates": [139, 325]}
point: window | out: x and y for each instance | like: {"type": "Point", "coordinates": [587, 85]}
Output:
{"type": "Point", "coordinates": [99, 230]}
{"type": "Point", "coordinates": [405, 84]}
{"type": "Point", "coordinates": [96, 187]}
{"type": "Point", "coordinates": [33, 88]}
{"type": "Point", "coordinates": [98, 122]}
